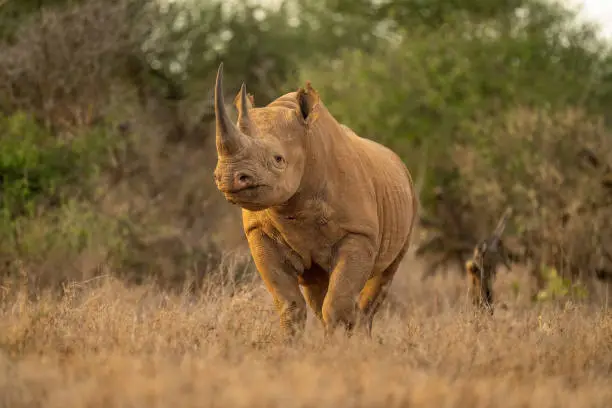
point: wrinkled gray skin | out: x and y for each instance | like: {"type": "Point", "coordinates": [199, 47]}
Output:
{"type": "Point", "coordinates": [322, 208]}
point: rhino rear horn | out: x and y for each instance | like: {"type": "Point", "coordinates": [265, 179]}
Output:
{"type": "Point", "coordinates": [243, 103]}
{"type": "Point", "coordinates": [228, 136]}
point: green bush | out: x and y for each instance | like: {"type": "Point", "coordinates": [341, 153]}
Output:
{"type": "Point", "coordinates": [74, 241]}
{"type": "Point", "coordinates": [37, 169]}
{"type": "Point", "coordinates": [46, 221]}
{"type": "Point", "coordinates": [558, 287]}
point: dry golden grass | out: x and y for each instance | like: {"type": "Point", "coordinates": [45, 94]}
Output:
{"type": "Point", "coordinates": [108, 345]}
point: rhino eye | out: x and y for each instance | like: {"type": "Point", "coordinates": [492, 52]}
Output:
{"type": "Point", "coordinates": [278, 159]}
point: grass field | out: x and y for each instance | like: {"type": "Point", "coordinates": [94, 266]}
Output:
{"type": "Point", "coordinates": [108, 345]}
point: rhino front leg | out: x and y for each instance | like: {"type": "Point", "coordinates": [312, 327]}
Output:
{"type": "Point", "coordinates": [281, 281]}
{"type": "Point", "coordinates": [353, 267]}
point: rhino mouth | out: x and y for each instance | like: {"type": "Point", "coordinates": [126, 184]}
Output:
{"type": "Point", "coordinates": [244, 189]}
{"type": "Point", "coordinates": [244, 196]}
{"type": "Point", "coordinates": [246, 204]}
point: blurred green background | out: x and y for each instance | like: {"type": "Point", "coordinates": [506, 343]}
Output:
{"type": "Point", "coordinates": [106, 150]}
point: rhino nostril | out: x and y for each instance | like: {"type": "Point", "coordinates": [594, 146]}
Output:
{"type": "Point", "coordinates": [243, 179]}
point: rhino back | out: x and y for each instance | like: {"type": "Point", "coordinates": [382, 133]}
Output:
{"type": "Point", "coordinates": [395, 196]}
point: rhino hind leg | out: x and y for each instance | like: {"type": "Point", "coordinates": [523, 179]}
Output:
{"type": "Point", "coordinates": [375, 292]}
{"type": "Point", "coordinates": [314, 282]}
{"type": "Point", "coordinates": [282, 283]}
{"type": "Point", "coordinates": [371, 297]}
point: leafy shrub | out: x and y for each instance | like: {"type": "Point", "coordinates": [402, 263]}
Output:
{"type": "Point", "coordinates": [71, 242]}
{"type": "Point", "coordinates": [36, 167]}
{"type": "Point", "coordinates": [46, 224]}
{"type": "Point", "coordinates": [550, 167]}
{"type": "Point", "coordinates": [97, 39]}
{"type": "Point", "coordinates": [558, 288]}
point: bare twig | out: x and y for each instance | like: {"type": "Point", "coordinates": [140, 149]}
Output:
{"type": "Point", "coordinates": [481, 267]}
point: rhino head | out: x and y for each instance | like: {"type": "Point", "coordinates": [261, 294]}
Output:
{"type": "Point", "coordinates": [261, 158]}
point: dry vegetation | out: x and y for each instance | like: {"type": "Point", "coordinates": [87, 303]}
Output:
{"type": "Point", "coordinates": [106, 344]}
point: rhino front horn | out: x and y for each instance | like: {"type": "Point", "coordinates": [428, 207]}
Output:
{"type": "Point", "coordinates": [228, 135]}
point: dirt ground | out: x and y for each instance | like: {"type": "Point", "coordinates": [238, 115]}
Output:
{"type": "Point", "coordinates": [108, 345]}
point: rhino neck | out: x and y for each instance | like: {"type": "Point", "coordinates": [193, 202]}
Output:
{"type": "Point", "coordinates": [329, 149]}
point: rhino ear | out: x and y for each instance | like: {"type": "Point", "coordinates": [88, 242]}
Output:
{"type": "Point", "coordinates": [307, 98]}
